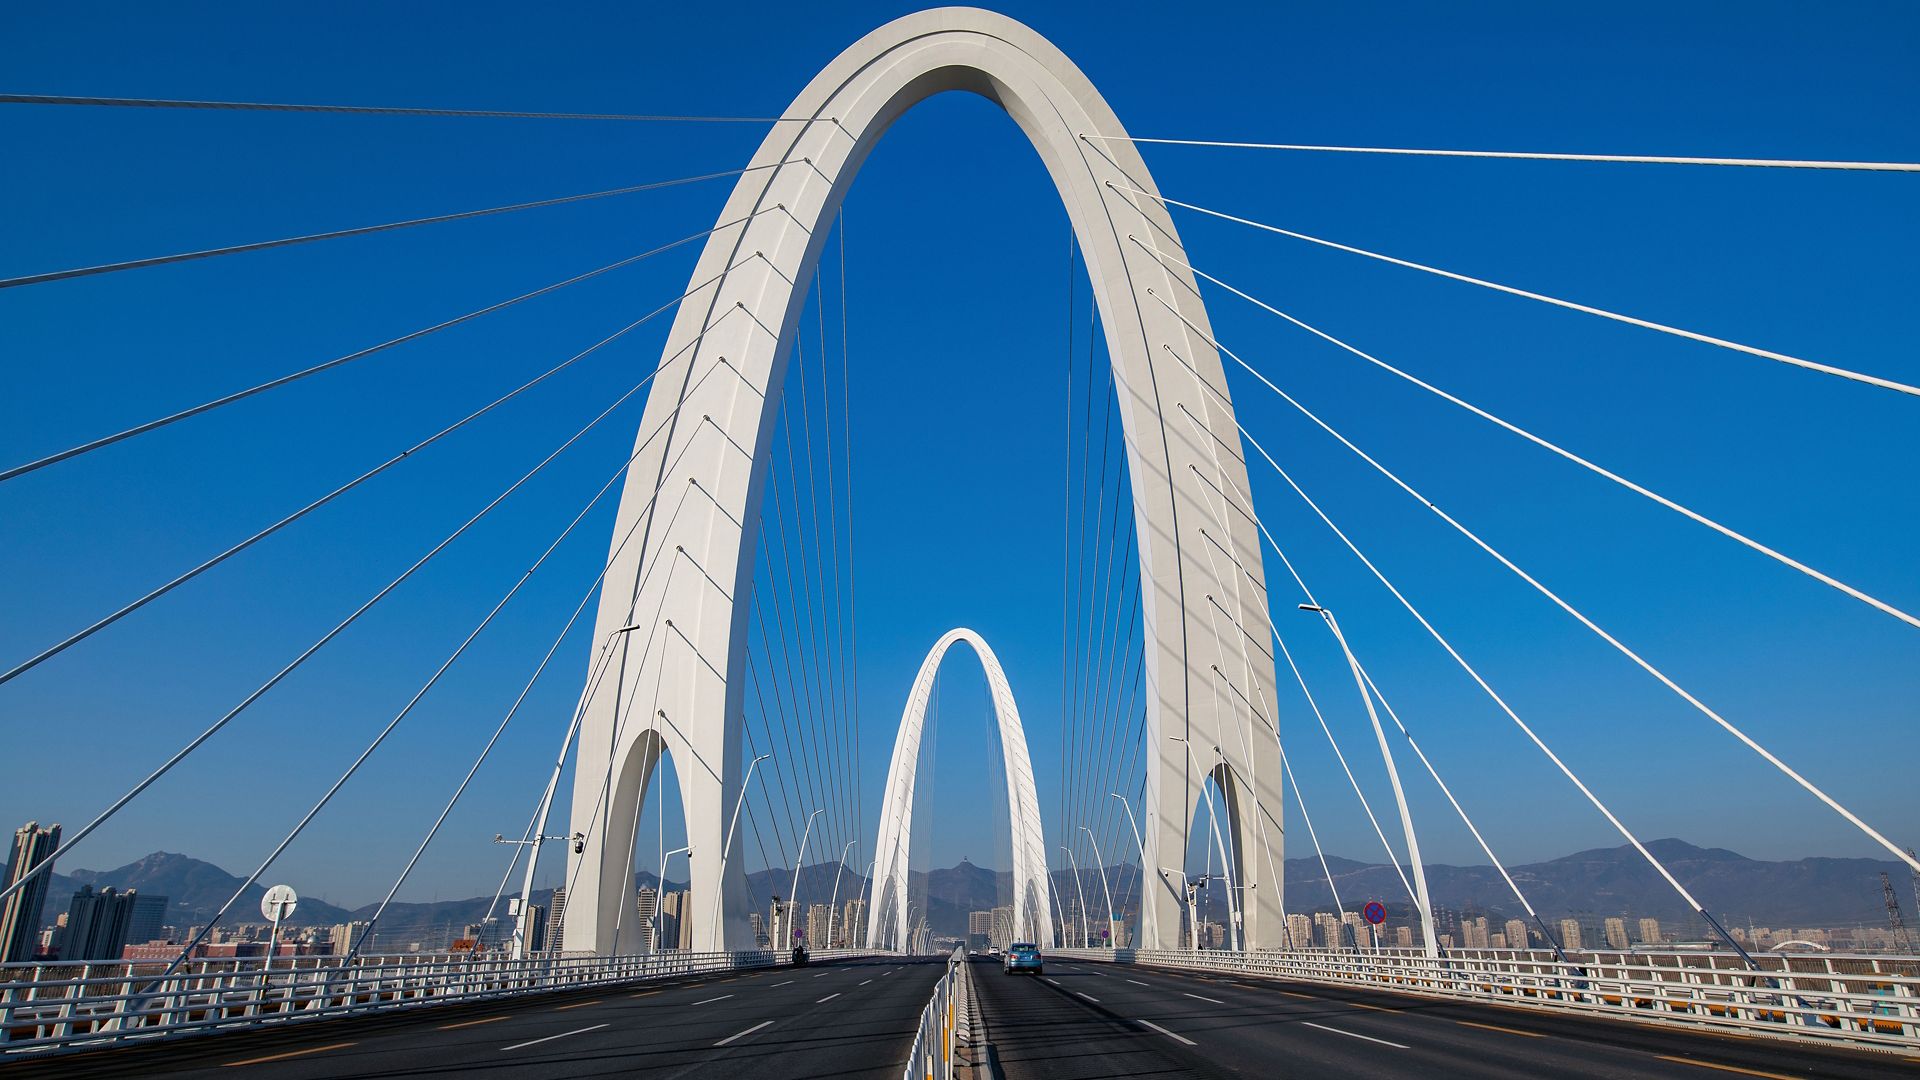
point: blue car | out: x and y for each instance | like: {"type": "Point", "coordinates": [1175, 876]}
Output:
{"type": "Point", "coordinates": [1022, 956]}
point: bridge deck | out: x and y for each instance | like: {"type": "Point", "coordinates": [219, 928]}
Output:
{"type": "Point", "coordinates": [847, 1019]}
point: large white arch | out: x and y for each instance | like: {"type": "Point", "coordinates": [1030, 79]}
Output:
{"type": "Point", "coordinates": [685, 537]}
{"type": "Point", "coordinates": [1032, 910]}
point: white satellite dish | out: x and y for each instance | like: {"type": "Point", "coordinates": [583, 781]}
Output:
{"type": "Point", "coordinates": [279, 902]}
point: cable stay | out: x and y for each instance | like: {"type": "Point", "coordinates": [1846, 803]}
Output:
{"type": "Point", "coordinates": [363, 230]}
{"type": "Point", "coordinates": [129, 608]}
{"type": "Point", "coordinates": [1644, 159]}
{"type": "Point", "coordinates": [1805, 784]}
{"type": "Point", "coordinates": [383, 110]}
{"type": "Point", "coordinates": [339, 361]}
{"type": "Point", "coordinates": [1569, 455]}
{"type": "Point", "coordinates": [1647, 324]}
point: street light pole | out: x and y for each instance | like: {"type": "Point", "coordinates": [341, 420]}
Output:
{"type": "Point", "coordinates": [726, 849]}
{"type": "Point", "coordinates": [1101, 859]}
{"type": "Point", "coordinates": [660, 887]}
{"type": "Point", "coordinates": [1153, 941]}
{"type": "Point", "coordinates": [1393, 776]}
{"type": "Point", "coordinates": [793, 894]}
{"type": "Point", "coordinates": [1193, 914]}
{"type": "Point", "coordinates": [835, 902]}
{"type": "Point", "coordinates": [1220, 844]}
{"type": "Point", "coordinates": [1075, 863]}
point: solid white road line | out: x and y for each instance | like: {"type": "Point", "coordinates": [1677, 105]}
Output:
{"type": "Point", "coordinates": [1197, 997]}
{"type": "Point", "coordinates": [1354, 1035]}
{"type": "Point", "coordinates": [826, 999]}
{"type": "Point", "coordinates": [1169, 1034]}
{"type": "Point", "coordinates": [550, 1038]}
{"type": "Point", "coordinates": [742, 1034]}
{"type": "Point", "coordinates": [710, 1001]}
{"type": "Point", "coordinates": [1089, 997]}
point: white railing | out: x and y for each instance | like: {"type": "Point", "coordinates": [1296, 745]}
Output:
{"type": "Point", "coordinates": [63, 1006]}
{"type": "Point", "coordinates": [932, 1055]}
{"type": "Point", "coordinates": [1857, 999]}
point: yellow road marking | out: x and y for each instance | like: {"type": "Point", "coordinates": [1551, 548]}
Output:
{"type": "Point", "coordinates": [471, 1023]}
{"type": "Point", "coordinates": [288, 1054]}
{"type": "Point", "coordinates": [576, 1005]}
{"type": "Point", "coordinates": [1727, 1068]}
{"type": "Point", "coordinates": [1497, 1027]}
{"type": "Point", "coordinates": [647, 993]}
{"type": "Point", "coordinates": [1309, 997]}
{"type": "Point", "coordinates": [1375, 1008]}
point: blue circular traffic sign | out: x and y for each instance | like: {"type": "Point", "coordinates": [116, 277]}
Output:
{"type": "Point", "coordinates": [1375, 911]}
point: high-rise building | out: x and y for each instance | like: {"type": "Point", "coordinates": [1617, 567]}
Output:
{"type": "Point", "coordinates": [1570, 934]}
{"type": "Point", "coordinates": [1328, 931]}
{"type": "Point", "coordinates": [1650, 931]}
{"type": "Point", "coordinates": [1299, 932]}
{"type": "Point", "coordinates": [979, 928]}
{"type": "Point", "coordinates": [556, 923]}
{"type": "Point", "coordinates": [676, 924]}
{"type": "Point", "coordinates": [1403, 937]}
{"type": "Point", "coordinates": [853, 924]}
{"type": "Point", "coordinates": [149, 915]}
{"type": "Point", "coordinates": [20, 913]}
{"type": "Point", "coordinates": [1516, 934]}
{"type": "Point", "coordinates": [647, 902]}
{"type": "Point", "coordinates": [1617, 933]}
{"type": "Point", "coordinates": [1474, 933]}
{"type": "Point", "coordinates": [758, 924]}
{"type": "Point", "coordinates": [779, 930]}
{"type": "Point", "coordinates": [819, 925]}
{"type": "Point", "coordinates": [97, 924]}
{"type": "Point", "coordinates": [1002, 927]}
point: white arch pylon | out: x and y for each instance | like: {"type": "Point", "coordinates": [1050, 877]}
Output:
{"type": "Point", "coordinates": [676, 601]}
{"type": "Point", "coordinates": [1032, 910]}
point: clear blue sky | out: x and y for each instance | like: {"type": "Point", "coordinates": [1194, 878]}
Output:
{"type": "Point", "coordinates": [957, 300]}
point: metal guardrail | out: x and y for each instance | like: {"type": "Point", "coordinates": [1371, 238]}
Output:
{"type": "Point", "coordinates": [932, 1055]}
{"type": "Point", "coordinates": [50, 1007]}
{"type": "Point", "coordinates": [1860, 1000]}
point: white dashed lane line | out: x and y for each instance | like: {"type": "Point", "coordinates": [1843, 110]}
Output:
{"type": "Point", "coordinates": [550, 1038]}
{"type": "Point", "coordinates": [1197, 997]}
{"type": "Point", "coordinates": [823, 974]}
{"type": "Point", "coordinates": [710, 1001]}
{"type": "Point", "coordinates": [743, 1034]}
{"type": "Point", "coordinates": [826, 999]}
{"type": "Point", "coordinates": [1169, 1034]}
{"type": "Point", "coordinates": [1136, 982]}
{"type": "Point", "coordinates": [1089, 997]}
{"type": "Point", "coordinates": [864, 982]}
{"type": "Point", "coordinates": [777, 986]}
{"type": "Point", "coordinates": [1354, 1035]}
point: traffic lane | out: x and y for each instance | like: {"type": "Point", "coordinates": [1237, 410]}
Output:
{"type": "Point", "coordinates": [1039, 1032]}
{"type": "Point", "coordinates": [865, 1030]}
{"type": "Point", "coordinates": [1489, 1033]}
{"type": "Point", "coordinates": [1259, 1032]}
{"type": "Point", "coordinates": [349, 1047]}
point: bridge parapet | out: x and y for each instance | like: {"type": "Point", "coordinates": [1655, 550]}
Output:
{"type": "Point", "coordinates": [1859, 999]}
{"type": "Point", "coordinates": [52, 1007]}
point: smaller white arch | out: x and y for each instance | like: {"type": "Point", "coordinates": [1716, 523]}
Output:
{"type": "Point", "coordinates": [1032, 908]}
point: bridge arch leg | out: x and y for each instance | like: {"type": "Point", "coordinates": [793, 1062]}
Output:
{"type": "Point", "coordinates": [681, 568]}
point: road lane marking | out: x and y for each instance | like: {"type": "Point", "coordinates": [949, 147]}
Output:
{"type": "Point", "coordinates": [1355, 1035]}
{"type": "Point", "coordinates": [742, 1034]}
{"type": "Point", "coordinates": [1496, 1027]}
{"type": "Point", "coordinates": [864, 982]}
{"type": "Point", "coordinates": [288, 1054]}
{"type": "Point", "coordinates": [826, 999]}
{"type": "Point", "coordinates": [1050, 980]}
{"type": "Point", "coordinates": [777, 986]}
{"type": "Point", "coordinates": [647, 993]}
{"type": "Point", "coordinates": [1308, 997]}
{"type": "Point", "coordinates": [1197, 997]}
{"type": "Point", "coordinates": [1089, 997]}
{"type": "Point", "coordinates": [1726, 1068]}
{"type": "Point", "coordinates": [1136, 982]}
{"type": "Point", "coordinates": [823, 975]}
{"type": "Point", "coordinates": [710, 1001]}
{"type": "Point", "coordinates": [576, 1005]}
{"type": "Point", "coordinates": [550, 1038]}
{"type": "Point", "coordinates": [1169, 1034]}
{"type": "Point", "coordinates": [473, 1023]}
{"type": "Point", "coordinates": [1379, 1008]}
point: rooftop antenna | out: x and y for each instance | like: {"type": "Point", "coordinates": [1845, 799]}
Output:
{"type": "Point", "coordinates": [1900, 937]}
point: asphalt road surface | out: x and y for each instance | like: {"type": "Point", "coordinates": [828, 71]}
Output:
{"type": "Point", "coordinates": [846, 1019]}
{"type": "Point", "coordinates": [1082, 1020]}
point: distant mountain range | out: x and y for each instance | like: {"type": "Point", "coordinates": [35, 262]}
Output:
{"type": "Point", "coordinates": [1603, 881]}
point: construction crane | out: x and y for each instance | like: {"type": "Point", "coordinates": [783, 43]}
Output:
{"type": "Point", "coordinates": [1900, 938]}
